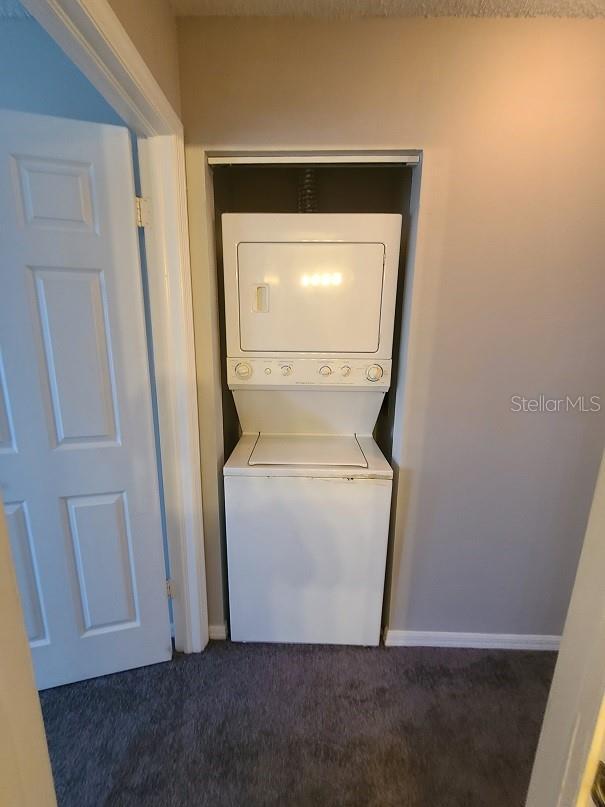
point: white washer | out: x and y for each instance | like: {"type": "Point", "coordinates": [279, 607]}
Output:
{"type": "Point", "coordinates": [309, 302]}
{"type": "Point", "coordinates": [307, 520]}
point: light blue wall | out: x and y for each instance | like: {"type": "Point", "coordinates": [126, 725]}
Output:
{"type": "Point", "coordinates": [36, 76]}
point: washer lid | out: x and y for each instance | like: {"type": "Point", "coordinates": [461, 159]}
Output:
{"type": "Point", "coordinates": [308, 450]}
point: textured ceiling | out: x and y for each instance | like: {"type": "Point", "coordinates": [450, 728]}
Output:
{"type": "Point", "coordinates": [392, 8]}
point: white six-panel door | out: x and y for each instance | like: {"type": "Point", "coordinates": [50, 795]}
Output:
{"type": "Point", "coordinates": [77, 459]}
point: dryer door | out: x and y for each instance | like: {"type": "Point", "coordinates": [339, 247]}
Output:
{"type": "Point", "coordinates": [310, 296]}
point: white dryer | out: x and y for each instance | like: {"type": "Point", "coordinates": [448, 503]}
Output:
{"type": "Point", "coordinates": [309, 302]}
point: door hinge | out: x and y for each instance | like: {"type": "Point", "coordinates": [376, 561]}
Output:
{"type": "Point", "coordinates": [170, 589]}
{"type": "Point", "coordinates": [142, 211]}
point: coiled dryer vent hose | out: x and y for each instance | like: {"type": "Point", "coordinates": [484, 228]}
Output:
{"type": "Point", "coordinates": [307, 191]}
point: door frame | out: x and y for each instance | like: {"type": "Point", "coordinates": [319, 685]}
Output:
{"type": "Point", "coordinates": [200, 160]}
{"type": "Point", "coordinates": [91, 35]}
{"type": "Point", "coordinates": [564, 765]}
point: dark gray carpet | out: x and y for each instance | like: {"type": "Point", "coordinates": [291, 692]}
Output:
{"type": "Point", "coordinates": [251, 725]}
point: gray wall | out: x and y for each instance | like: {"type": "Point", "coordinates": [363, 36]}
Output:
{"type": "Point", "coordinates": [36, 76]}
{"type": "Point", "coordinates": [152, 27]}
{"type": "Point", "coordinates": [508, 285]}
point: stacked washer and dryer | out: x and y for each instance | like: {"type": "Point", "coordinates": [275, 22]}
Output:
{"type": "Point", "coordinates": [309, 311]}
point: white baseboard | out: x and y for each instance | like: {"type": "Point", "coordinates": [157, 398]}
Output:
{"type": "Point", "coordinates": [503, 641]}
{"type": "Point", "coordinates": [217, 631]}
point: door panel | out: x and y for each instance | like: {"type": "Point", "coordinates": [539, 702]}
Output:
{"type": "Point", "coordinates": [7, 440]}
{"type": "Point", "coordinates": [56, 194]}
{"type": "Point", "coordinates": [102, 543]}
{"type": "Point", "coordinates": [77, 454]}
{"type": "Point", "coordinates": [27, 572]}
{"type": "Point", "coordinates": [80, 381]}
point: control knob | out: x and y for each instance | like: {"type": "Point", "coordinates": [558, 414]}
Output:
{"type": "Point", "coordinates": [286, 369]}
{"type": "Point", "coordinates": [346, 370]}
{"type": "Point", "coordinates": [243, 370]}
{"type": "Point", "coordinates": [325, 370]}
{"type": "Point", "coordinates": [374, 372]}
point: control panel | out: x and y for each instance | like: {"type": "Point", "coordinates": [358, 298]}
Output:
{"type": "Point", "coordinates": [288, 373]}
